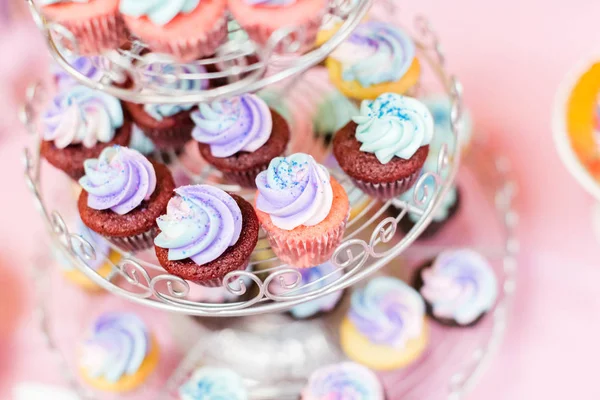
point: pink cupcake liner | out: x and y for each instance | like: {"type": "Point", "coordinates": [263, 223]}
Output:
{"type": "Point", "coordinates": [95, 35]}
{"type": "Point", "coordinates": [310, 251]}
{"type": "Point", "coordinates": [218, 282]}
{"type": "Point", "coordinates": [192, 47]}
{"type": "Point", "coordinates": [261, 34]}
{"type": "Point", "coordinates": [387, 190]}
{"type": "Point", "coordinates": [246, 179]}
{"type": "Point", "coordinates": [135, 243]}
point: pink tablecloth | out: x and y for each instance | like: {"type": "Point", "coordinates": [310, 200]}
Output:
{"type": "Point", "coordinates": [510, 56]}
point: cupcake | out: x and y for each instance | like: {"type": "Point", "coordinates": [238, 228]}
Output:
{"type": "Point", "coordinates": [214, 383]}
{"type": "Point", "coordinates": [103, 264]}
{"type": "Point", "coordinates": [459, 287]}
{"type": "Point", "coordinates": [123, 194]}
{"type": "Point", "coordinates": [187, 29]}
{"type": "Point", "coordinates": [384, 148]}
{"type": "Point", "coordinates": [79, 124]}
{"type": "Point", "coordinates": [96, 24]}
{"type": "Point", "coordinates": [118, 354]}
{"type": "Point", "coordinates": [302, 209]}
{"type": "Point", "coordinates": [206, 234]}
{"type": "Point", "coordinates": [343, 381]}
{"type": "Point", "coordinates": [312, 280]}
{"type": "Point", "coordinates": [376, 58]}
{"type": "Point", "coordinates": [87, 66]}
{"type": "Point", "coordinates": [240, 137]}
{"type": "Point", "coordinates": [261, 18]}
{"type": "Point", "coordinates": [445, 211]}
{"type": "Point", "coordinates": [385, 328]}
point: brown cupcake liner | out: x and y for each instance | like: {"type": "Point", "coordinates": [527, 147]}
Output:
{"type": "Point", "coordinates": [246, 179]}
{"type": "Point", "coordinates": [135, 243]}
{"type": "Point", "coordinates": [191, 48]}
{"type": "Point", "coordinates": [173, 138]}
{"type": "Point", "coordinates": [387, 190]}
{"type": "Point", "coordinates": [261, 34]}
{"type": "Point", "coordinates": [307, 252]}
{"type": "Point", "coordinates": [96, 35]}
{"type": "Point", "coordinates": [218, 282]}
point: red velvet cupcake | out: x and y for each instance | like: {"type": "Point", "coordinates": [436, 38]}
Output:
{"type": "Point", "coordinates": [384, 148]}
{"type": "Point", "coordinates": [240, 137]}
{"type": "Point", "coordinates": [206, 234]}
{"type": "Point", "coordinates": [79, 124]}
{"type": "Point", "coordinates": [123, 194]}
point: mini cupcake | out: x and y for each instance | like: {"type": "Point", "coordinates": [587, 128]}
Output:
{"type": "Point", "coordinates": [240, 137]}
{"type": "Point", "coordinates": [459, 287]}
{"type": "Point", "coordinates": [79, 124]}
{"type": "Point", "coordinates": [119, 353]}
{"type": "Point", "coordinates": [84, 65]}
{"type": "Point", "coordinates": [302, 209]}
{"type": "Point", "coordinates": [446, 210]}
{"type": "Point", "coordinates": [123, 194]}
{"type": "Point", "coordinates": [206, 234]}
{"type": "Point", "coordinates": [343, 381]}
{"type": "Point", "coordinates": [96, 24]}
{"type": "Point", "coordinates": [103, 264]}
{"type": "Point", "coordinates": [261, 18]}
{"type": "Point", "coordinates": [169, 126]}
{"type": "Point", "coordinates": [385, 328]}
{"type": "Point", "coordinates": [312, 280]}
{"type": "Point", "coordinates": [214, 383]}
{"type": "Point", "coordinates": [187, 29]}
{"type": "Point", "coordinates": [384, 148]}
{"type": "Point", "coordinates": [376, 58]}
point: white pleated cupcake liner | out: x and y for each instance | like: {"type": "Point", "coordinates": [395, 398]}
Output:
{"type": "Point", "coordinates": [387, 190]}
{"type": "Point", "coordinates": [135, 243]}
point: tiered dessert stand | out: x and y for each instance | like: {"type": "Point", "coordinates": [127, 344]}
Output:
{"type": "Point", "coordinates": [372, 243]}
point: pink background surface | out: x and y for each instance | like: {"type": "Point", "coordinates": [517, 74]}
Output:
{"type": "Point", "coordinates": [510, 57]}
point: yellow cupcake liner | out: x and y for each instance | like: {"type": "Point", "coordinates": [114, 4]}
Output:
{"type": "Point", "coordinates": [127, 382]}
{"type": "Point", "coordinates": [80, 279]}
{"type": "Point", "coordinates": [380, 357]}
{"type": "Point", "coordinates": [355, 90]}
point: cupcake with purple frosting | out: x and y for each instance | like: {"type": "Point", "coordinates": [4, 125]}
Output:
{"type": "Point", "coordinates": [84, 65]}
{"type": "Point", "coordinates": [343, 381]}
{"type": "Point", "coordinates": [123, 195]}
{"type": "Point", "coordinates": [240, 136]}
{"type": "Point", "coordinates": [302, 209]}
{"type": "Point", "coordinates": [459, 287]}
{"type": "Point", "coordinates": [118, 354]}
{"type": "Point", "coordinates": [79, 124]}
{"type": "Point", "coordinates": [385, 328]}
{"type": "Point", "coordinates": [206, 234]}
{"type": "Point", "coordinates": [169, 126]}
{"type": "Point", "coordinates": [312, 279]}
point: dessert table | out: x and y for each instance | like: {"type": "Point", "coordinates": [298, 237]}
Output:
{"type": "Point", "coordinates": [510, 57]}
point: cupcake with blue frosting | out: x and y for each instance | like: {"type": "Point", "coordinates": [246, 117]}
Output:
{"type": "Point", "coordinates": [385, 328]}
{"type": "Point", "coordinates": [240, 136]}
{"type": "Point", "coordinates": [311, 280]}
{"type": "Point", "coordinates": [123, 195]}
{"type": "Point", "coordinates": [118, 354]}
{"type": "Point", "coordinates": [206, 234]}
{"type": "Point", "coordinates": [384, 148]}
{"type": "Point", "coordinates": [343, 381]}
{"type": "Point", "coordinates": [459, 287]}
{"type": "Point", "coordinates": [208, 383]}
{"type": "Point", "coordinates": [79, 124]}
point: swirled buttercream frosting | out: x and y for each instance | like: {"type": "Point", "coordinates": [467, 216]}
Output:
{"type": "Point", "coordinates": [229, 126]}
{"type": "Point", "coordinates": [84, 65]}
{"type": "Point", "coordinates": [116, 347]}
{"type": "Point", "coordinates": [376, 52]}
{"type": "Point", "coordinates": [201, 223]}
{"type": "Point", "coordinates": [387, 312]}
{"type": "Point", "coordinates": [393, 126]}
{"type": "Point", "coordinates": [119, 180]}
{"type": "Point", "coordinates": [80, 115]}
{"type": "Point", "coordinates": [211, 383]}
{"type": "Point", "coordinates": [460, 285]}
{"type": "Point", "coordinates": [294, 191]}
{"type": "Point", "coordinates": [160, 12]}
{"type": "Point", "coordinates": [344, 381]}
